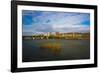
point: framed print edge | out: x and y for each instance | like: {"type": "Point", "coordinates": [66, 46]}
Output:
{"type": "Point", "coordinates": [14, 47]}
{"type": "Point", "coordinates": [13, 36]}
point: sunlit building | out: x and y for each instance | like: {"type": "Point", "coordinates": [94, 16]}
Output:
{"type": "Point", "coordinates": [57, 35]}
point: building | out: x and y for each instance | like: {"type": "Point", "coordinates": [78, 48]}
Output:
{"type": "Point", "coordinates": [58, 35]}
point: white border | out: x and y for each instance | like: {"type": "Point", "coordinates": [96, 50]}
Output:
{"type": "Point", "coordinates": [53, 63]}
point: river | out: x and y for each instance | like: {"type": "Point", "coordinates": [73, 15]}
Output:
{"type": "Point", "coordinates": [66, 50]}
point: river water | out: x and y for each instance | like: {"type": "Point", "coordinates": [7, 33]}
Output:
{"type": "Point", "coordinates": [64, 50]}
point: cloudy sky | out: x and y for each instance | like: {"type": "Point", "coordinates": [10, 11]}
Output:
{"type": "Point", "coordinates": [37, 22]}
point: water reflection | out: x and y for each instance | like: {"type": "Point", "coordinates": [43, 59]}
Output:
{"type": "Point", "coordinates": [53, 47]}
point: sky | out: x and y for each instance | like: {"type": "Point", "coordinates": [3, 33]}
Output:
{"type": "Point", "coordinates": [40, 22]}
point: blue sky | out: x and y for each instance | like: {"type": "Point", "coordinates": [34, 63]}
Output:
{"type": "Point", "coordinates": [38, 22]}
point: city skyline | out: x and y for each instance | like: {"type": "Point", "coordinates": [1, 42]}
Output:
{"type": "Point", "coordinates": [40, 22]}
